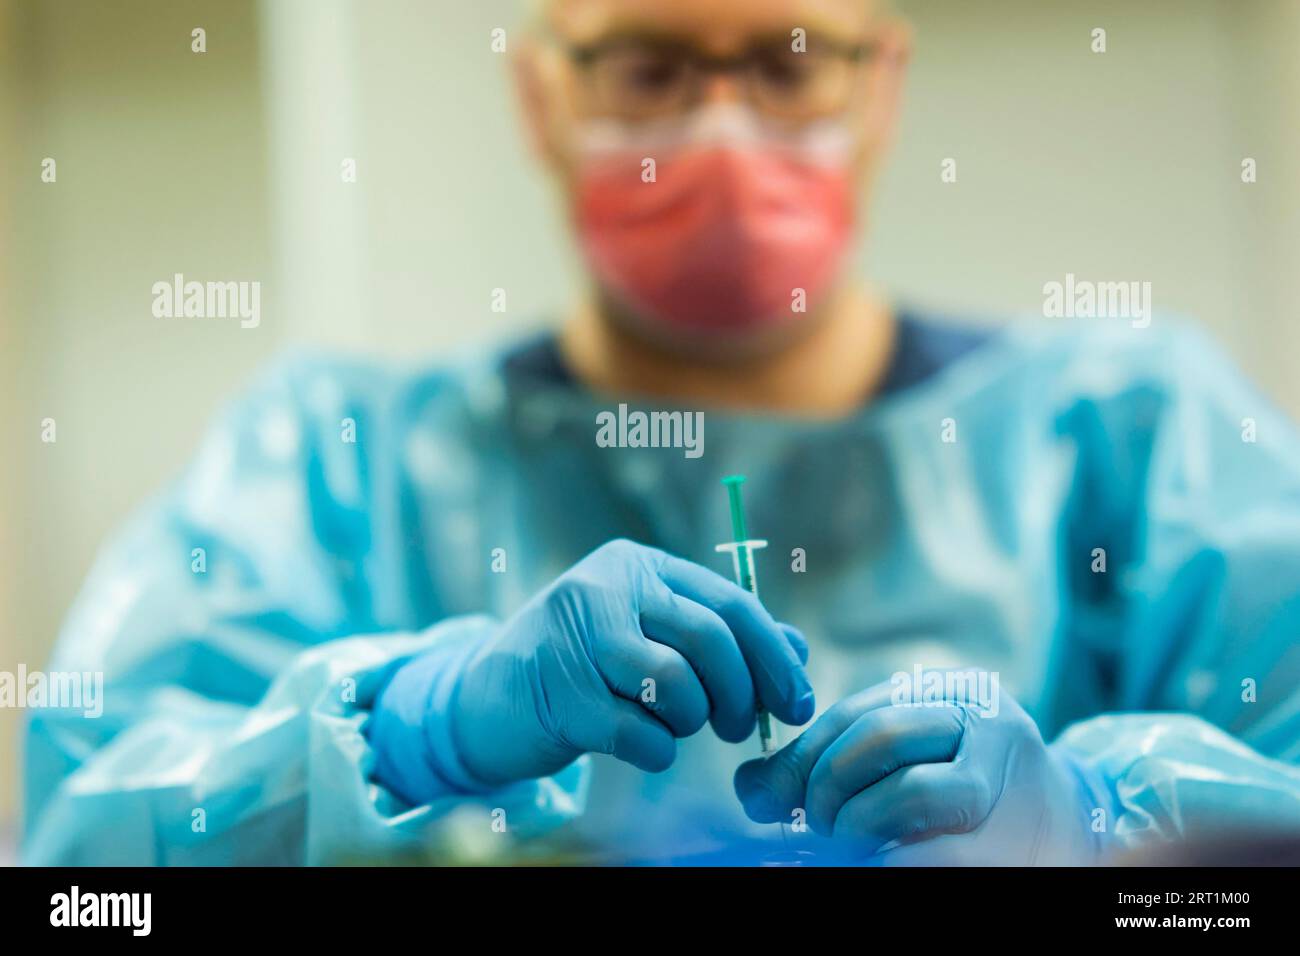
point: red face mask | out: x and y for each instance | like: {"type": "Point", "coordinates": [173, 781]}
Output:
{"type": "Point", "coordinates": [726, 235]}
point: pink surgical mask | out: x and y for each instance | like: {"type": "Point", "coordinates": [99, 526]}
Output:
{"type": "Point", "coordinates": [741, 229]}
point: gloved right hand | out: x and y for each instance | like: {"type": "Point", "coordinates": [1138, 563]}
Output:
{"type": "Point", "coordinates": [627, 650]}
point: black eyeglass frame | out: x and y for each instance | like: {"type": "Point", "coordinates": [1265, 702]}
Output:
{"type": "Point", "coordinates": [585, 54]}
{"type": "Point", "coordinates": [852, 55]}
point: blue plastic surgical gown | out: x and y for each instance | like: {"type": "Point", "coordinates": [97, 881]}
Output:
{"type": "Point", "coordinates": [1106, 516]}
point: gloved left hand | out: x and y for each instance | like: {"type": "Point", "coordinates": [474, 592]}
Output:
{"type": "Point", "coordinates": [935, 783]}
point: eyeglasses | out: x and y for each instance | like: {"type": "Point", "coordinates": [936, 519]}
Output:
{"type": "Point", "coordinates": [646, 78]}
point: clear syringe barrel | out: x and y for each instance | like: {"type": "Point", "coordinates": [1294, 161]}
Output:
{"type": "Point", "coordinates": [742, 548]}
{"type": "Point", "coordinates": [742, 564]}
{"type": "Point", "coordinates": [742, 561]}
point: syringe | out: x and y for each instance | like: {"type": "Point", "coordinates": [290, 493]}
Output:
{"type": "Point", "coordinates": [742, 549]}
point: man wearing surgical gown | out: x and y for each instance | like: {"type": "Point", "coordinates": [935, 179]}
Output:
{"type": "Point", "coordinates": [430, 635]}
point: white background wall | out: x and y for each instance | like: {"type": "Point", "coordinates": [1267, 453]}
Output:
{"type": "Point", "coordinates": [225, 165]}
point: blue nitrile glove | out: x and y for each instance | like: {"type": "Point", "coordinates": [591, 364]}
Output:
{"type": "Point", "coordinates": [952, 781]}
{"type": "Point", "coordinates": [627, 650]}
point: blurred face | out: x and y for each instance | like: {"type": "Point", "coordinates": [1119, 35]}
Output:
{"type": "Point", "coordinates": [711, 153]}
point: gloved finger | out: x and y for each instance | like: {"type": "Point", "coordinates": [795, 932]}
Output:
{"type": "Point", "coordinates": [915, 803]}
{"type": "Point", "coordinates": [798, 643]}
{"type": "Point", "coordinates": [705, 641]}
{"type": "Point", "coordinates": [659, 679]}
{"type": "Point", "coordinates": [778, 676]}
{"type": "Point", "coordinates": [771, 788]}
{"type": "Point", "coordinates": [876, 744]}
{"type": "Point", "coordinates": [624, 730]}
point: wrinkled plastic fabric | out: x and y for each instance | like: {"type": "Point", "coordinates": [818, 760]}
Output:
{"type": "Point", "coordinates": [959, 523]}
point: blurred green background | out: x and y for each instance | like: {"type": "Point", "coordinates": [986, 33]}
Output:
{"type": "Point", "coordinates": [225, 165]}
